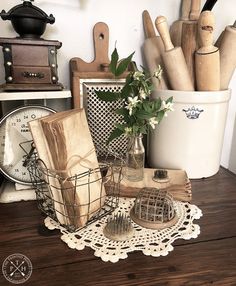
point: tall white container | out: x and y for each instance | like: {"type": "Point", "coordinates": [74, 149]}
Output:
{"type": "Point", "coordinates": [190, 137]}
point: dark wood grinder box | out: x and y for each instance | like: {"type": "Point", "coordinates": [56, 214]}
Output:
{"type": "Point", "coordinates": [30, 64]}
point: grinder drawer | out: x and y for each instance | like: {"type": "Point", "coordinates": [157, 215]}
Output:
{"type": "Point", "coordinates": [27, 74]}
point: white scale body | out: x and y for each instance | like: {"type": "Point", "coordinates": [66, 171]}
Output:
{"type": "Point", "coordinates": [14, 133]}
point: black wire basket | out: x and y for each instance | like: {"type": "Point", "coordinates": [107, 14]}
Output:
{"type": "Point", "coordinates": [78, 200]}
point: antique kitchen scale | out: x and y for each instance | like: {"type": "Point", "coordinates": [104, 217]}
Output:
{"type": "Point", "coordinates": [30, 64]}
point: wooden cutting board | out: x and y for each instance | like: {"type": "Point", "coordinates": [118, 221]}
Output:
{"type": "Point", "coordinates": [189, 40]}
{"type": "Point", "coordinates": [101, 45]}
{"type": "Point", "coordinates": [98, 65]}
{"type": "Point", "coordinates": [176, 27]}
{"type": "Point", "coordinates": [152, 49]}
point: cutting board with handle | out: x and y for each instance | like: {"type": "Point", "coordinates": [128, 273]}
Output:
{"type": "Point", "coordinates": [152, 49]}
{"type": "Point", "coordinates": [101, 45]}
{"type": "Point", "coordinates": [176, 27]}
{"type": "Point", "coordinates": [189, 39]}
{"type": "Point", "coordinates": [227, 47]}
{"type": "Point", "coordinates": [207, 58]}
{"type": "Point", "coordinates": [173, 59]}
{"type": "Point", "coordinates": [98, 66]}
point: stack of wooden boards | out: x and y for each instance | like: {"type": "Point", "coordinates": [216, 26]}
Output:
{"type": "Point", "coordinates": [177, 184]}
{"type": "Point", "coordinates": [186, 52]}
{"type": "Point", "coordinates": [64, 144]}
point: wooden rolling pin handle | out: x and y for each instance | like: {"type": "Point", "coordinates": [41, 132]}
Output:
{"type": "Point", "coordinates": [148, 25]}
{"type": "Point", "coordinates": [195, 10]}
{"type": "Point", "coordinates": [185, 8]}
{"type": "Point", "coordinates": [162, 27]}
{"type": "Point", "coordinates": [206, 25]}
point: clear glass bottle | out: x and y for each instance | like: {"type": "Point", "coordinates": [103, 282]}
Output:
{"type": "Point", "coordinates": [135, 156]}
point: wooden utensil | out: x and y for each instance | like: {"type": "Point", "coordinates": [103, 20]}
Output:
{"type": "Point", "coordinates": [101, 60]}
{"type": "Point", "coordinates": [227, 47]}
{"type": "Point", "coordinates": [207, 59]}
{"type": "Point", "coordinates": [176, 27]}
{"type": "Point", "coordinates": [195, 10]}
{"type": "Point", "coordinates": [152, 49]}
{"type": "Point", "coordinates": [173, 58]}
{"type": "Point", "coordinates": [189, 38]}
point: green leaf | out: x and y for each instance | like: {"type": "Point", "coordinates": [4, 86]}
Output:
{"type": "Point", "coordinates": [170, 99]}
{"type": "Point", "coordinates": [147, 106]}
{"type": "Point", "coordinates": [120, 126]}
{"type": "Point", "coordinates": [107, 96]}
{"type": "Point", "coordinates": [142, 114]}
{"type": "Point", "coordinates": [157, 104]}
{"type": "Point", "coordinates": [126, 91]}
{"type": "Point", "coordinates": [115, 134]}
{"type": "Point", "coordinates": [123, 64]}
{"type": "Point", "coordinates": [160, 115]}
{"type": "Point", "coordinates": [114, 60]}
{"type": "Point", "coordinates": [123, 112]}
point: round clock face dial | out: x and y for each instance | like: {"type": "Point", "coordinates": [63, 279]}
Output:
{"type": "Point", "coordinates": [14, 133]}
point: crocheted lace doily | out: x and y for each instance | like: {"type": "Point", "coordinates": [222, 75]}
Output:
{"type": "Point", "coordinates": [150, 242]}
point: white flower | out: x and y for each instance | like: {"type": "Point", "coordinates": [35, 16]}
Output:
{"type": "Point", "coordinates": [133, 101]}
{"type": "Point", "coordinates": [153, 121]}
{"type": "Point", "coordinates": [137, 75]}
{"type": "Point", "coordinates": [158, 72]}
{"type": "Point", "coordinates": [142, 94]}
{"type": "Point", "coordinates": [167, 106]}
{"type": "Point", "coordinates": [128, 130]}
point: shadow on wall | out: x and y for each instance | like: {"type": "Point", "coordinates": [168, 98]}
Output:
{"type": "Point", "coordinates": [232, 160]}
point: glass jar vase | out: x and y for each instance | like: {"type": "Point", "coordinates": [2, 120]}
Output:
{"type": "Point", "coordinates": [135, 156]}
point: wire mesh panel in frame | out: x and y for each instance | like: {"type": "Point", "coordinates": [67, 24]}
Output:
{"type": "Point", "coordinates": [100, 114]}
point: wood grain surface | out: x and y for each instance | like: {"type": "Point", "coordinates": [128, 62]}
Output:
{"type": "Point", "coordinates": [152, 49]}
{"type": "Point", "coordinates": [179, 78]}
{"type": "Point", "coordinates": [208, 260]}
{"type": "Point", "coordinates": [207, 57]}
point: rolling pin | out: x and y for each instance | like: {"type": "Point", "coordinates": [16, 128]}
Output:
{"type": "Point", "coordinates": [173, 59]}
{"type": "Point", "coordinates": [176, 27]}
{"type": "Point", "coordinates": [207, 58]}
{"type": "Point", "coordinates": [189, 41]}
{"type": "Point", "coordinates": [227, 47]}
{"type": "Point", "coordinates": [208, 6]}
{"type": "Point", "coordinates": [152, 48]}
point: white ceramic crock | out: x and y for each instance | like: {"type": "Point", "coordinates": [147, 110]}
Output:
{"type": "Point", "coordinates": [190, 137]}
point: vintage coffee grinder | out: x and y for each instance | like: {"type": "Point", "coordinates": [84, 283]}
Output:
{"type": "Point", "coordinates": [30, 62]}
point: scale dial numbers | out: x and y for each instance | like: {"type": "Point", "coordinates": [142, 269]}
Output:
{"type": "Point", "coordinates": [14, 130]}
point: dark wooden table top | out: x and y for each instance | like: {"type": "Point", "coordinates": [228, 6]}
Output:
{"type": "Point", "coordinates": [208, 260]}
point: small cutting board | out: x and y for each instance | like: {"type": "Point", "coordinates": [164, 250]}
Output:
{"type": "Point", "coordinates": [101, 45]}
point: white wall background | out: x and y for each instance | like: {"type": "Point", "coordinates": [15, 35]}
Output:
{"type": "Point", "coordinates": [73, 27]}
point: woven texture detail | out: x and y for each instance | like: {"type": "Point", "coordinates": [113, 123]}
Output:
{"type": "Point", "coordinates": [150, 242]}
